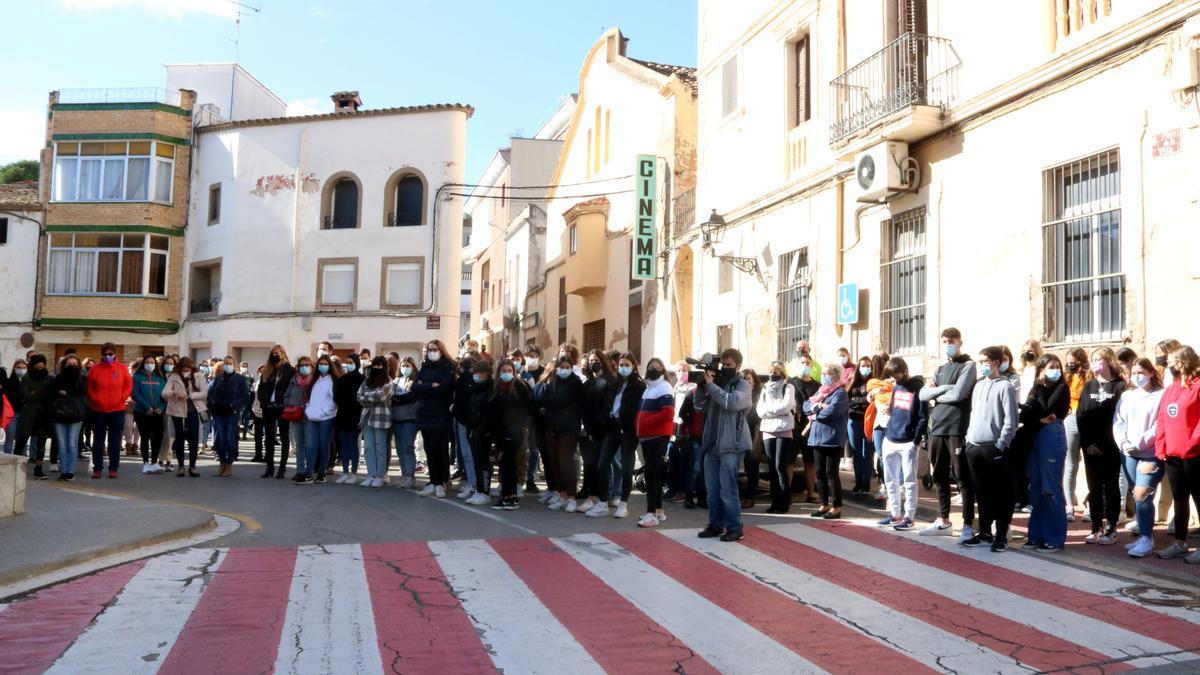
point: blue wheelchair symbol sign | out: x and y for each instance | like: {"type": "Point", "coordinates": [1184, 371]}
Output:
{"type": "Point", "coordinates": [847, 306]}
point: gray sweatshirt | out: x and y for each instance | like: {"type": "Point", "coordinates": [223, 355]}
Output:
{"type": "Point", "coordinates": [993, 413]}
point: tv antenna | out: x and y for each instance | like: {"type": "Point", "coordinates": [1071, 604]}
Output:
{"type": "Point", "coordinates": [239, 7]}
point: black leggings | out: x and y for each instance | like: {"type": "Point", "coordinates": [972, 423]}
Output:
{"type": "Point", "coordinates": [481, 445]}
{"type": "Point", "coordinates": [150, 428]}
{"type": "Point", "coordinates": [615, 441]}
{"type": "Point", "coordinates": [186, 429]}
{"type": "Point", "coordinates": [1104, 490]}
{"type": "Point", "coordinates": [779, 454]}
{"type": "Point", "coordinates": [829, 482]}
{"type": "Point", "coordinates": [991, 474]}
{"type": "Point", "coordinates": [653, 451]}
{"type": "Point", "coordinates": [1184, 476]}
{"type": "Point", "coordinates": [437, 454]}
{"type": "Point", "coordinates": [507, 450]}
{"type": "Point", "coordinates": [279, 429]}
{"type": "Point", "coordinates": [589, 456]}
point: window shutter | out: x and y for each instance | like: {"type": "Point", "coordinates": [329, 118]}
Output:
{"type": "Point", "coordinates": [729, 84]}
{"type": "Point", "coordinates": [404, 284]}
{"type": "Point", "coordinates": [3, 230]}
{"type": "Point", "coordinates": [593, 335]}
{"type": "Point", "coordinates": [913, 17]}
{"type": "Point", "coordinates": [801, 75]}
{"type": "Point", "coordinates": [338, 285]}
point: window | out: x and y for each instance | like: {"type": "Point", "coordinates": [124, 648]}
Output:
{"type": "Point", "coordinates": [114, 171]}
{"type": "Point", "coordinates": [1083, 287]}
{"type": "Point", "coordinates": [729, 87]}
{"type": "Point", "coordinates": [485, 276]}
{"type": "Point", "coordinates": [3, 230]}
{"type": "Point", "coordinates": [214, 203]}
{"type": "Point", "coordinates": [403, 282]}
{"type": "Point", "coordinates": [724, 276]}
{"type": "Point", "coordinates": [562, 310]}
{"type": "Point", "coordinates": [800, 86]}
{"type": "Point", "coordinates": [902, 275]}
{"type": "Point", "coordinates": [341, 205]}
{"type": "Point", "coordinates": [724, 337]}
{"type": "Point", "coordinates": [407, 198]}
{"type": "Point", "coordinates": [337, 283]}
{"type": "Point", "coordinates": [792, 301]}
{"type": "Point", "coordinates": [107, 264]}
{"type": "Point", "coordinates": [573, 238]}
{"type": "Point", "coordinates": [593, 335]}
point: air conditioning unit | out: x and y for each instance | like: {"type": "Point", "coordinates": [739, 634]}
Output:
{"type": "Point", "coordinates": [882, 170]}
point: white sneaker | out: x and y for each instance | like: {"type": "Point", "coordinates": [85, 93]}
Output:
{"type": "Point", "coordinates": [351, 479]}
{"type": "Point", "coordinates": [571, 506]}
{"type": "Point", "coordinates": [598, 511]}
{"type": "Point", "coordinates": [439, 492]}
{"type": "Point", "coordinates": [1141, 548]}
{"type": "Point", "coordinates": [1087, 516]}
{"type": "Point", "coordinates": [614, 502]}
{"type": "Point", "coordinates": [378, 482]}
{"type": "Point", "coordinates": [1132, 527]}
{"type": "Point", "coordinates": [156, 468]}
{"type": "Point", "coordinates": [479, 499]}
{"type": "Point", "coordinates": [545, 497]}
{"type": "Point", "coordinates": [54, 467]}
{"type": "Point", "coordinates": [428, 490]}
{"type": "Point", "coordinates": [466, 493]}
{"type": "Point", "coordinates": [368, 481]}
{"type": "Point", "coordinates": [622, 510]}
{"type": "Point", "coordinates": [662, 517]}
{"type": "Point", "coordinates": [341, 479]}
{"type": "Point", "coordinates": [647, 520]}
{"type": "Point", "coordinates": [520, 491]}
{"type": "Point", "coordinates": [557, 504]}
{"type": "Point", "coordinates": [145, 468]}
{"type": "Point", "coordinates": [408, 483]}
{"type": "Point", "coordinates": [966, 535]}
{"type": "Point", "coordinates": [587, 504]}
{"type": "Point", "coordinates": [1070, 516]}
{"type": "Point", "coordinates": [938, 528]}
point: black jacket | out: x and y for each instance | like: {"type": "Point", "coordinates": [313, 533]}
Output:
{"type": "Point", "coordinates": [562, 399]}
{"type": "Point", "coordinates": [631, 402]}
{"type": "Point", "coordinates": [598, 393]}
{"type": "Point", "coordinates": [480, 415]}
{"type": "Point", "coordinates": [858, 402]}
{"type": "Point", "coordinates": [1097, 406]}
{"type": "Point", "coordinates": [35, 398]}
{"type": "Point", "coordinates": [278, 383]}
{"type": "Point", "coordinates": [1043, 401]}
{"type": "Point", "coordinates": [461, 403]}
{"type": "Point", "coordinates": [75, 388]}
{"type": "Point", "coordinates": [12, 389]}
{"type": "Point", "coordinates": [227, 394]}
{"type": "Point", "coordinates": [345, 396]}
{"type": "Point", "coordinates": [509, 409]}
{"type": "Point", "coordinates": [433, 402]}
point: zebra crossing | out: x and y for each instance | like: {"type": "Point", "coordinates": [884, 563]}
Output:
{"type": "Point", "coordinates": [796, 597]}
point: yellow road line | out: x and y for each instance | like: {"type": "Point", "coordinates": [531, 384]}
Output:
{"type": "Point", "coordinates": [249, 522]}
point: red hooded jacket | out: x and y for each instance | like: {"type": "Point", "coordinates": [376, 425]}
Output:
{"type": "Point", "coordinates": [109, 386]}
{"type": "Point", "coordinates": [1178, 432]}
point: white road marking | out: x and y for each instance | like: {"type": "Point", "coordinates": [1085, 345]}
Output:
{"type": "Point", "coordinates": [137, 631]}
{"type": "Point", "coordinates": [721, 638]}
{"type": "Point", "coordinates": [519, 632]}
{"type": "Point", "coordinates": [930, 645]}
{"type": "Point", "coordinates": [479, 511]}
{"type": "Point", "coordinates": [330, 625]}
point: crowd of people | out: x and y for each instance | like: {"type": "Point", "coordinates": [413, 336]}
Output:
{"type": "Point", "coordinates": [1009, 435]}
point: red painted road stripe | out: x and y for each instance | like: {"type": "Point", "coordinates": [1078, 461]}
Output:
{"type": "Point", "coordinates": [36, 630]}
{"type": "Point", "coordinates": [1026, 645]}
{"type": "Point", "coordinates": [811, 634]}
{"type": "Point", "coordinates": [618, 635]}
{"type": "Point", "coordinates": [237, 625]}
{"type": "Point", "coordinates": [1182, 634]}
{"type": "Point", "coordinates": [420, 624]}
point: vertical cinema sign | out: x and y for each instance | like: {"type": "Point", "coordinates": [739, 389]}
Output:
{"type": "Point", "coordinates": [646, 189]}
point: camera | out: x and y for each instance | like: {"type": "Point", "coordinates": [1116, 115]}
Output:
{"type": "Point", "coordinates": [707, 362]}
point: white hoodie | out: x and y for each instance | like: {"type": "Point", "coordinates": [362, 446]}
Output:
{"type": "Point", "coordinates": [1135, 422]}
{"type": "Point", "coordinates": [320, 405]}
{"type": "Point", "coordinates": [777, 407]}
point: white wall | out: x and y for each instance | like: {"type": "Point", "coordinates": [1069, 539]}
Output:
{"type": "Point", "coordinates": [228, 86]}
{"type": "Point", "coordinates": [18, 259]}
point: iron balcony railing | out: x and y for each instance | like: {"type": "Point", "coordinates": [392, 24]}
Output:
{"type": "Point", "coordinates": [913, 70]}
{"type": "Point", "coordinates": [683, 213]}
{"type": "Point", "coordinates": [343, 222]}
{"type": "Point", "coordinates": [119, 95]}
{"type": "Point", "coordinates": [204, 305]}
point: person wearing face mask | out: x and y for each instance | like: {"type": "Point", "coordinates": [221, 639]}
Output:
{"type": "Point", "coordinates": [109, 387]}
{"type": "Point", "coordinates": [807, 386]}
{"type": "Point", "coordinates": [949, 398]}
{"type": "Point", "coordinates": [320, 410]}
{"type": "Point", "coordinates": [531, 373]}
{"type": "Point", "coordinates": [149, 412]}
{"type": "Point", "coordinates": [752, 462]}
{"type": "Point", "coordinates": [68, 407]}
{"type": "Point", "coordinates": [247, 412]}
{"type": "Point", "coordinates": [1031, 351]}
{"type": "Point", "coordinates": [186, 396]}
{"type": "Point", "coordinates": [207, 369]}
{"type": "Point", "coordinates": [619, 436]}
{"type": "Point", "coordinates": [652, 426]}
{"type": "Point", "coordinates": [324, 349]}
{"type": "Point", "coordinates": [1134, 428]}
{"type": "Point", "coordinates": [522, 459]}
{"type": "Point", "coordinates": [1045, 442]}
{"type": "Point", "coordinates": [508, 409]}
{"type": "Point", "coordinates": [404, 418]}
{"type": "Point", "coordinates": [434, 387]}
{"type": "Point", "coordinates": [679, 450]}
{"type": "Point", "coordinates": [990, 433]}
{"type": "Point", "coordinates": [346, 423]}
{"type": "Point", "coordinates": [725, 399]}
{"type": "Point", "coordinates": [561, 399]}
{"type": "Point", "coordinates": [862, 448]}
{"type": "Point", "coordinates": [256, 416]}
{"type": "Point", "coordinates": [374, 399]}
{"type": "Point", "coordinates": [479, 434]}
{"type": "Point", "coordinates": [35, 422]}
{"type": "Point", "coordinates": [598, 393]}
{"type": "Point", "coordinates": [12, 391]}
{"type": "Point", "coordinates": [1101, 456]}
{"type": "Point", "coordinates": [1162, 354]}
{"type": "Point", "coordinates": [295, 401]}
{"type": "Point", "coordinates": [827, 436]}
{"type": "Point", "coordinates": [277, 375]}
{"type": "Point", "coordinates": [460, 408]}
{"type": "Point", "coordinates": [776, 409]}
{"type": "Point", "coordinates": [803, 352]}
{"type": "Point", "coordinates": [1177, 445]}
{"type": "Point", "coordinates": [1076, 375]}
{"type": "Point", "coordinates": [906, 427]}
{"type": "Point", "coordinates": [227, 396]}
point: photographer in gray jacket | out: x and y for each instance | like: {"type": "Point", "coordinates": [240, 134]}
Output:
{"type": "Point", "coordinates": [726, 399]}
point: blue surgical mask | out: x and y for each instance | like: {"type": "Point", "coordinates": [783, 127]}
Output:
{"type": "Point", "coordinates": [826, 380]}
{"type": "Point", "coordinates": [228, 369]}
{"type": "Point", "coordinates": [305, 370]}
{"type": "Point", "coordinates": [167, 367]}
{"type": "Point", "coordinates": [951, 350]}
{"type": "Point", "coordinates": [323, 369]}
{"type": "Point", "coordinates": [1004, 366]}
{"type": "Point", "coordinates": [625, 371]}
{"type": "Point", "coordinates": [985, 370]}
{"type": "Point", "coordinates": [564, 373]}
{"type": "Point", "coordinates": [19, 372]}
{"type": "Point", "coordinates": [1141, 380]}
{"type": "Point", "coordinates": [865, 371]}
{"type": "Point", "coordinates": [406, 371]}
{"type": "Point", "coordinates": [506, 376]}
{"type": "Point", "coordinates": [204, 369]}
{"type": "Point", "coordinates": [478, 378]}
{"type": "Point", "coordinates": [805, 371]}
{"type": "Point", "coordinates": [1053, 374]}
{"type": "Point", "coordinates": [348, 368]}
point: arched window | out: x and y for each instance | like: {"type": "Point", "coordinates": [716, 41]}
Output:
{"type": "Point", "coordinates": [405, 200]}
{"type": "Point", "coordinates": [341, 205]}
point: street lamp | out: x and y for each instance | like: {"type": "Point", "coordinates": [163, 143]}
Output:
{"type": "Point", "coordinates": [711, 229]}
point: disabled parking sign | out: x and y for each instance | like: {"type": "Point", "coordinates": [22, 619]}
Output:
{"type": "Point", "coordinates": [847, 304]}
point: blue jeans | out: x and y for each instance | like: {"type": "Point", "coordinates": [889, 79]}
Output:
{"type": "Point", "coordinates": [375, 441]}
{"type": "Point", "coordinates": [720, 479]}
{"type": "Point", "coordinates": [1150, 481]}
{"type": "Point", "coordinates": [862, 451]}
{"type": "Point", "coordinates": [467, 460]}
{"type": "Point", "coordinates": [10, 434]}
{"type": "Point", "coordinates": [1048, 520]}
{"type": "Point", "coordinates": [318, 435]}
{"type": "Point", "coordinates": [877, 440]}
{"type": "Point", "coordinates": [348, 447]}
{"type": "Point", "coordinates": [693, 467]}
{"type": "Point", "coordinates": [68, 446]}
{"type": "Point", "coordinates": [300, 432]}
{"type": "Point", "coordinates": [206, 428]}
{"type": "Point", "coordinates": [111, 425]}
{"type": "Point", "coordinates": [225, 443]}
{"type": "Point", "coordinates": [405, 435]}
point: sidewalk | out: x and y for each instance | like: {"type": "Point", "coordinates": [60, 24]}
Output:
{"type": "Point", "coordinates": [65, 524]}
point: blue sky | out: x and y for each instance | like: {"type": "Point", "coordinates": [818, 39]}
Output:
{"type": "Point", "coordinates": [512, 60]}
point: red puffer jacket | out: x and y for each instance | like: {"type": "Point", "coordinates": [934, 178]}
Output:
{"type": "Point", "coordinates": [1178, 432]}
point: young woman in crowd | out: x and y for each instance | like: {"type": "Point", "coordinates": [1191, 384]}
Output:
{"type": "Point", "coordinates": [1162, 355]}
{"type": "Point", "coordinates": [12, 391]}
{"type": "Point", "coordinates": [561, 399]}
{"type": "Point", "coordinates": [653, 426]}
{"type": "Point", "coordinates": [460, 410]}
{"type": "Point", "coordinates": [186, 395]}
{"type": "Point", "coordinates": [619, 435]}
{"type": "Point", "coordinates": [862, 447]}
{"type": "Point", "coordinates": [68, 406]}
{"type": "Point", "coordinates": [434, 389]}
{"type": "Point", "coordinates": [149, 411]}
{"type": "Point", "coordinates": [227, 396]}
{"type": "Point", "coordinates": [272, 391]}
{"type": "Point", "coordinates": [691, 426]}
{"type": "Point", "coordinates": [1076, 375]}
{"type": "Point", "coordinates": [678, 450]}
{"type": "Point", "coordinates": [875, 419]}
{"type": "Point", "coordinates": [1126, 357]}
{"type": "Point", "coordinates": [508, 410]}
{"type": "Point", "coordinates": [1177, 444]}
{"type": "Point", "coordinates": [905, 429]}
{"type": "Point", "coordinates": [1031, 351]}
{"type": "Point", "coordinates": [346, 422]}
{"type": "Point", "coordinates": [806, 388]}
{"type": "Point", "coordinates": [35, 423]}
{"type": "Point", "coordinates": [1134, 427]}
{"type": "Point", "coordinates": [404, 417]}
{"type": "Point", "coordinates": [320, 411]}
{"type": "Point", "coordinates": [753, 458]}
{"type": "Point", "coordinates": [374, 402]}
{"type": "Point", "coordinates": [256, 415]}
{"type": "Point", "coordinates": [1101, 456]}
{"type": "Point", "coordinates": [776, 409]}
{"type": "Point", "coordinates": [827, 436]}
{"type": "Point", "coordinates": [479, 434]}
{"type": "Point", "coordinates": [1041, 417]}
{"type": "Point", "coordinates": [598, 392]}
{"type": "Point", "coordinates": [531, 371]}
{"type": "Point", "coordinates": [206, 426]}
{"type": "Point", "coordinates": [295, 400]}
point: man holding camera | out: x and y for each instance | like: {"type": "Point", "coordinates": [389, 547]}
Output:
{"type": "Point", "coordinates": [726, 399]}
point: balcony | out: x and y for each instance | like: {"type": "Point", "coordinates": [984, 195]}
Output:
{"type": "Point", "coordinates": [120, 95]}
{"type": "Point", "coordinates": [683, 213]}
{"type": "Point", "coordinates": [586, 244]}
{"type": "Point", "coordinates": [203, 305]}
{"type": "Point", "coordinates": [902, 90]}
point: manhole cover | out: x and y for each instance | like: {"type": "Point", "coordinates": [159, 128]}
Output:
{"type": "Point", "coordinates": [1165, 597]}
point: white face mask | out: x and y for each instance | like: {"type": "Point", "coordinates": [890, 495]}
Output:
{"type": "Point", "coordinates": [434, 355]}
{"type": "Point", "coordinates": [531, 363]}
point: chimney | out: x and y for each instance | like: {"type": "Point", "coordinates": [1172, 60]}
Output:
{"type": "Point", "coordinates": [346, 101]}
{"type": "Point", "coordinates": [615, 44]}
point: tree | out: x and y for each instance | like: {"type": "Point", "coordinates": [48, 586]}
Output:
{"type": "Point", "coordinates": [23, 169]}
